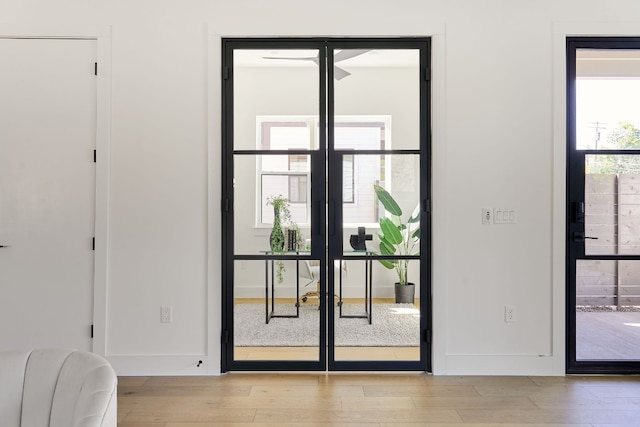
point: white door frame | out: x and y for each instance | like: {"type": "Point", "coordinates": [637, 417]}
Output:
{"type": "Point", "coordinates": [102, 36]}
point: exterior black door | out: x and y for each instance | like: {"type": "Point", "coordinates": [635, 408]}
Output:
{"type": "Point", "coordinates": [603, 200]}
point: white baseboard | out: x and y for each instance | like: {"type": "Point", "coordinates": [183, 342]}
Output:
{"type": "Point", "coordinates": [160, 365]}
{"type": "Point", "coordinates": [498, 365]}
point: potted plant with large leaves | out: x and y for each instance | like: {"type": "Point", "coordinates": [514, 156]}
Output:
{"type": "Point", "coordinates": [398, 237]}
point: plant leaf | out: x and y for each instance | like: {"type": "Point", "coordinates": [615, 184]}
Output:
{"type": "Point", "coordinates": [386, 248]}
{"type": "Point", "coordinates": [387, 263]}
{"type": "Point", "coordinates": [390, 230]}
{"type": "Point", "coordinates": [387, 201]}
{"type": "Point", "coordinates": [415, 215]}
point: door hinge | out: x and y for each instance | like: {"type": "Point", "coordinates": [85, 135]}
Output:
{"type": "Point", "coordinates": [225, 336]}
{"type": "Point", "coordinates": [95, 68]}
{"type": "Point", "coordinates": [225, 205]}
{"type": "Point", "coordinates": [95, 156]}
{"type": "Point", "coordinates": [91, 331]}
{"type": "Point", "coordinates": [226, 73]}
{"type": "Point", "coordinates": [427, 74]}
{"type": "Point", "coordinates": [426, 206]}
{"type": "Point", "coordinates": [93, 244]}
{"type": "Point", "coordinates": [427, 336]}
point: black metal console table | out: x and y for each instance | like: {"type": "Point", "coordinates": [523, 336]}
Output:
{"type": "Point", "coordinates": [269, 313]}
{"type": "Point", "coordinates": [368, 285]}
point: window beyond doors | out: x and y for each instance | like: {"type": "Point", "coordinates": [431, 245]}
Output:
{"type": "Point", "coordinates": [289, 175]}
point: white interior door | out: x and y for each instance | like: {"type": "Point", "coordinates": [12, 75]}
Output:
{"type": "Point", "coordinates": [47, 192]}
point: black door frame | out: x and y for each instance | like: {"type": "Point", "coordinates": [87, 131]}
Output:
{"type": "Point", "coordinates": [325, 155]}
{"type": "Point", "coordinates": [574, 207]}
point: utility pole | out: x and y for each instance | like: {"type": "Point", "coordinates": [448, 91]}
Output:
{"type": "Point", "coordinates": [597, 126]}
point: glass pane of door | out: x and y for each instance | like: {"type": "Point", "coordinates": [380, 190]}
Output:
{"type": "Point", "coordinates": [271, 321]}
{"type": "Point", "coordinates": [612, 204]}
{"type": "Point", "coordinates": [378, 84]}
{"type": "Point", "coordinates": [370, 323]}
{"type": "Point", "coordinates": [275, 290]}
{"type": "Point", "coordinates": [378, 312]}
{"type": "Point", "coordinates": [258, 181]}
{"type": "Point", "coordinates": [376, 144]}
{"type": "Point", "coordinates": [608, 290]}
{"type": "Point", "coordinates": [607, 85]}
{"type": "Point", "coordinates": [275, 99]}
{"type": "Point", "coordinates": [608, 310]}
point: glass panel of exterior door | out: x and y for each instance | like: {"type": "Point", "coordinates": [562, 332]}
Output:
{"type": "Point", "coordinates": [612, 204]}
{"type": "Point", "coordinates": [608, 290]}
{"type": "Point", "coordinates": [608, 310]}
{"type": "Point", "coordinates": [607, 87]}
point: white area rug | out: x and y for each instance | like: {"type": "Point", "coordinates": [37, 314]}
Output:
{"type": "Point", "coordinates": [394, 325]}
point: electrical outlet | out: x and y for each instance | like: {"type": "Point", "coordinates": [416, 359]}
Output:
{"type": "Point", "coordinates": [165, 314]}
{"type": "Point", "coordinates": [509, 313]}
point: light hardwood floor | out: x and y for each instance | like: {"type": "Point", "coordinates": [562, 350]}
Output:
{"type": "Point", "coordinates": [376, 400]}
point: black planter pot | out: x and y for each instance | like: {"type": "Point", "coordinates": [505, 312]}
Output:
{"type": "Point", "coordinates": [405, 294]}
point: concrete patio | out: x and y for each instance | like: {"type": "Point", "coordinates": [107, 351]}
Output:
{"type": "Point", "coordinates": [608, 335]}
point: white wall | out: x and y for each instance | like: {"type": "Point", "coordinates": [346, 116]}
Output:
{"type": "Point", "coordinates": [498, 133]}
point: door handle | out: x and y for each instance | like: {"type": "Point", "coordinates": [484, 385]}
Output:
{"type": "Point", "coordinates": [578, 236]}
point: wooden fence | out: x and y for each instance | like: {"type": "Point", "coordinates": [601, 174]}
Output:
{"type": "Point", "coordinates": [612, 214]}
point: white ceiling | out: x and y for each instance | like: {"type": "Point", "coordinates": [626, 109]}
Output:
{"type": "Point", "coordinates": [613, 63]}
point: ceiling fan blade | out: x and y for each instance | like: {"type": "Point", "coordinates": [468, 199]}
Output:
{"type": "Point", "coordinates": [348, 53]}
{"type": "Point", "coordinates": [306, 58]}
{"type": "Point", "coordinates": [339, 73]}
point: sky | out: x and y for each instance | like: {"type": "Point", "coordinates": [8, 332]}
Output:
{"type": "Point", "coordinates": [601, 105]}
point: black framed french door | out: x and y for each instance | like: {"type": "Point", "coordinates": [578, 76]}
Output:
{"type": "Point", "coordinates": [603, 201]}
{"type": "Point", "coordinates": [318, 136]}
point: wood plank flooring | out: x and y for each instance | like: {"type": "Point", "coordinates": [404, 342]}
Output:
{"type": "Point", "coordinates": [377, 400]}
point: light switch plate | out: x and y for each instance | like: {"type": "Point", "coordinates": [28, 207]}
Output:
{"type": "Point", "coordinates": [487, 216]}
